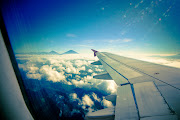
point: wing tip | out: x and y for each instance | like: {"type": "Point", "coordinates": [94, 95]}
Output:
{"type": "Point", "coordinates": [95, 51]}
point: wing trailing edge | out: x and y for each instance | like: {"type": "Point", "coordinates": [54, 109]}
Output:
{"type": "Point", "coordinates": [111, 98]}
{"type": "Point", "coordinates": [104, 76]}
{"type": "Point", "coordinates": [104, 114]}
{"type": "Point", "coordinates": [96, 63]}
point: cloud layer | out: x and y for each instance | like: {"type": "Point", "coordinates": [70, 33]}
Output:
{"type": "Point", "coordinates": [73, 76]}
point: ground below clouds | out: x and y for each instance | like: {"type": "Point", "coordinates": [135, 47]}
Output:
{"type": "Point", "coordinates": [63, 85]}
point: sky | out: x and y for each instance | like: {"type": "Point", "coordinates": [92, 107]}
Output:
{"type": "Point", "coordinates": [141, 26]}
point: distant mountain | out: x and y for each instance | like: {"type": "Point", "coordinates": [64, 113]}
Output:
{"type": "Point", "coordinates": [50, 53]}
{"type": "Point", "coordinates": [41, 53]}
{"type": "Point", "coordinates": [70, 52]}
{"type": "Point", "coordinates": [53, 53]}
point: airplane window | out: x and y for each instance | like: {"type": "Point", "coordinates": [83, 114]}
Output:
{"type": "Point", "coordinates": [52, 43]}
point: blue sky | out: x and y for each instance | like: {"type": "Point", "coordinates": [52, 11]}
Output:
{"type": "Point", "coordinates": [141, 26]}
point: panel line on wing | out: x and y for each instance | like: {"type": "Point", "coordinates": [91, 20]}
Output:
{"type": "Point", "coordinates": [114, 69]}
{"type": "Point", "coordinates": [172, 111]}
{"type": "Point", "coordinates": [131, 85]}
{"type": "Point", "coordinates": [135, 101]}
{"type": "Point", "coordinates": [144, 73]}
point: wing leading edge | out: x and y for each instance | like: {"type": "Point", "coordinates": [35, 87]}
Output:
{"type": "Point", "coordinates": [145, 90]}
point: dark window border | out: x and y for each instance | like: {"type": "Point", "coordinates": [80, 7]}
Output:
{"type": "Point", "coordinates": [15, 66]}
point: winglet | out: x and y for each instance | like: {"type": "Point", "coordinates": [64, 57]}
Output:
{"type": "Point", "coordinates": [94, 52]}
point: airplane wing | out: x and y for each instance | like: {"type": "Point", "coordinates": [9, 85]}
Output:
{"type": "Point", "coordinates": [146, 91]}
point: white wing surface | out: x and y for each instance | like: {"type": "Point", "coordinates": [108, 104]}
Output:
{"type": "Point", "coordinates": [146, 91]}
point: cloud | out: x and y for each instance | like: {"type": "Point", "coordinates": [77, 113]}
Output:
{"type": "Point", "coordinates": [34, 76]}
{"type": "Point", "coordinates": [87, 46]}
{"type": "Point", "coordinates": [102, 8]}
{"type": "Point", "coordinates": [124, 40]}
{"type": "Point", "coordinates": [73, 96]}
{"type": "Point", "coordinates": [51, 74]}
{"type": "Point", "coordinates": [71, 35]}
{"type": "Point", "coordinates": [111, 86]}
{"type": "Point", "coordinates": [96, 97]}
{"type": "Point", "coordinates": [106, 103]}
{"type": "Point", "coordinates": [86, 100]}
{"type": "Point", "coordinates": [81, 62]}
{"type": "Point", "coordinates": [90, 71]}
{"type": "Point", "coordinates": [73, 74]}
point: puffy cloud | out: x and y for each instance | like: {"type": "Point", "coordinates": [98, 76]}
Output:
{"type": "Point", "coordinates": [81, 62]}
{"type": "Point", "coordinates": [70, 35]}
{"type": "Point", "coordinates": [86, 100]}
{"type": "Point", "coordinates": [30, 68]}
{"type": "Point", "coordinates": [111, 86]}
{"type": "Point", "coordinates": [98, 70]}
{"type": "Point", "coordinates": [73, 96]}
{"type": "Point", "coordinates": [72, 70]}
{"type": "Point", "coordinates": [106, 103]}
{"type": "Point", "coordinates": [80, 83]}
{"type": "Point", "coordinates": [52, 74]}
{"type": "Point", "coordinates": [34, 76]}
{"type": "Point", "coordinates": [126, 40]}
{"type": "Point", "coordinates": [90, 71]}
{"type": "Point", "coordinates": [96, 97]}
{"type": "Point", "coordinates": [33, 69]}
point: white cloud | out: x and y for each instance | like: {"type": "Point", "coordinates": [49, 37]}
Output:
{"type": "Point", "coordinates": [98, 70]}
{"type": "Point", "coordinates": [124, 40]}
{"type": "Point", "coordinates": [74, 97]}
{"type": "Point", "coordinates": [111, 86]}
{"type": "Point", "coordinates": [96, 97]}
{"type": "Point", "coordinates": [71, 35]}
{"type": "Point", "coordinates": [80, 83]}
{"type": "Point", "coordinates": [52, 74]}
{"type": "Point", "coordinates": [127, 40]}
{"type": "Point", "coordinates": [33, 69]}
{"type": "Point", "coordinates": [86, 100]}
{"type": "Point", "coordinates": [30, 68]}
{"type": "Point", "coordinates": [87, 46]}
{"type": "Point", "coordinates": [81, 62]}
{"type": "Point", "coordinates": [90, 71]}
{"type": "Point", "coordinates": [34, 76]}
{"type": "Point", "coordinates": [106, 103]}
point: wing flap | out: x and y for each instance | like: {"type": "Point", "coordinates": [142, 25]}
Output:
{"type": "Point", "coordinates": [104, 76]}
{"type": "Point", "coordinates": [125, 104]}
{"type": "Point", "coordinates": [111, 98]}
{"type": "Point", "coordinates": [167, 117]}
{"type": "Point", "coordinates": [96, 63]}
{"type": "Point", "coordinates": [149, 100]}
{"type": "Point", "coordinates": [104, 114]}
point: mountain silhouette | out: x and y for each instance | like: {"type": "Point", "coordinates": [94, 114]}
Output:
{"type": "Point", "coordinates": [53, 53]}
{"type": "Point", "coordinates": [70, 52]}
